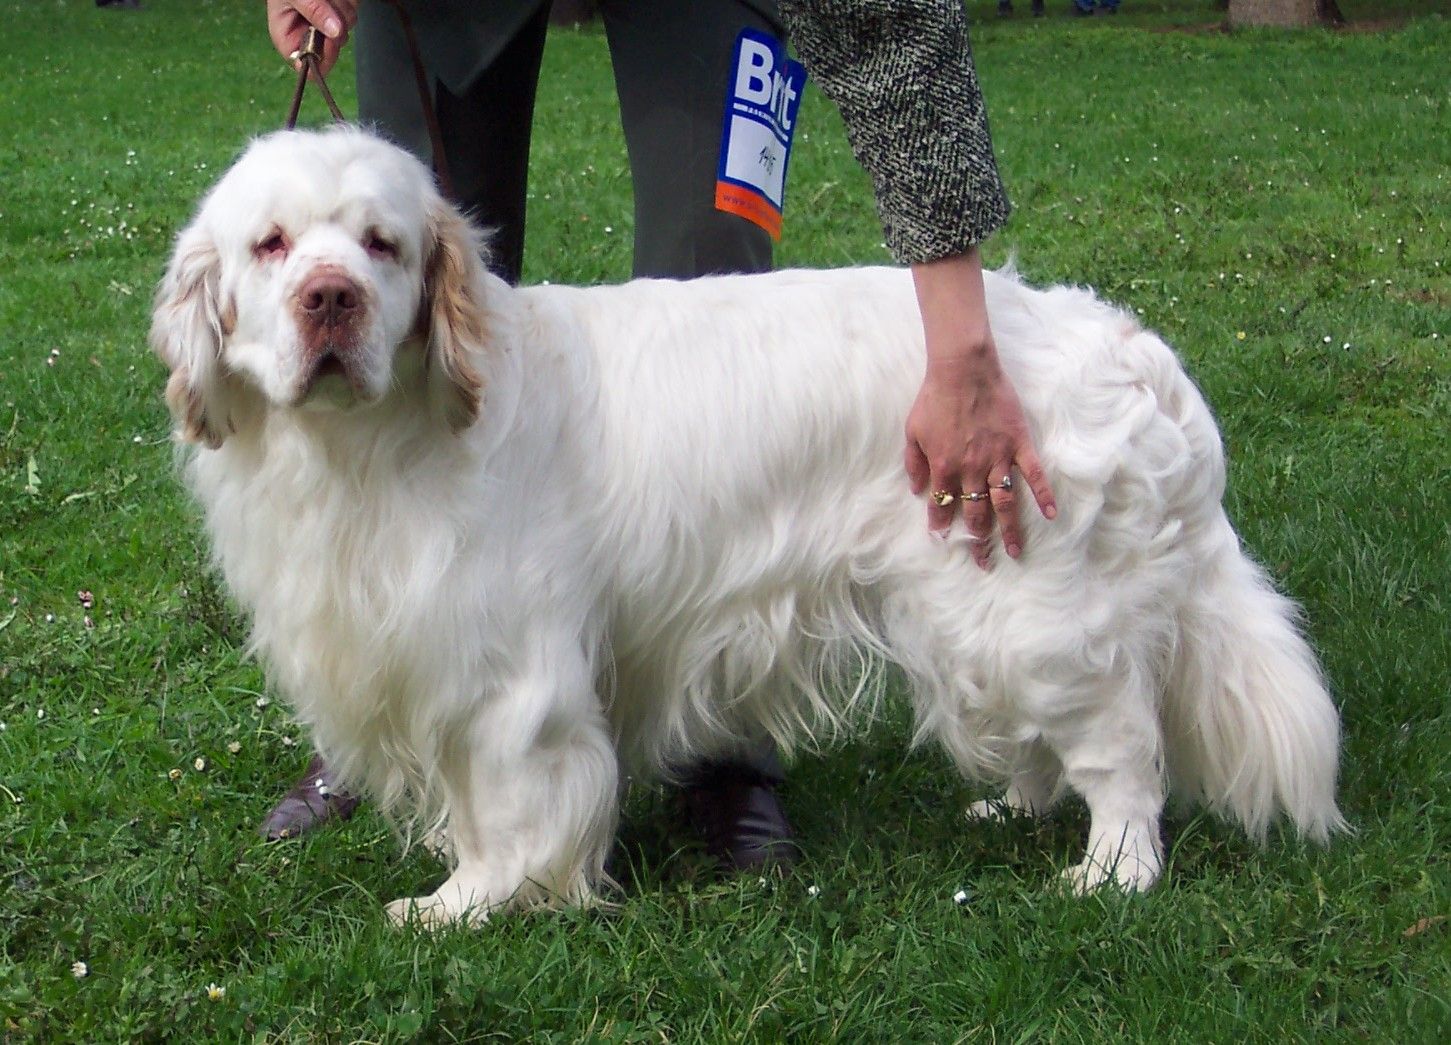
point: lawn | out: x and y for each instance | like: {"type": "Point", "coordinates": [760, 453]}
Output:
{"type": "Point", "coordinates": [1278, 205]}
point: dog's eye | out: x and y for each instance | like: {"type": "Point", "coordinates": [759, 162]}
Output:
{"type": "Point", "coordinates": [273, 246]}
{"type": "Point", "coordinates": [380, 247]}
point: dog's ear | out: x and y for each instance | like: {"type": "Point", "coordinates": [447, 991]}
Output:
{"type": "Point", "coordinates": [188, 324]}
{"type": "Point", "coordinates": [456, 316]}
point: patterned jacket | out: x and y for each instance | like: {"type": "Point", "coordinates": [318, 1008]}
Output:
{"type": "Point", "coordinates": [901, 73]}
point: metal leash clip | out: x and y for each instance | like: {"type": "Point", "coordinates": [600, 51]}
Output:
{"type": "Point", "coordinates": [311, 46]}
{"type": "Point", "coordinates": [308, 59]}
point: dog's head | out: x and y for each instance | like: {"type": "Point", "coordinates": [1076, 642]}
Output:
{"type": "Point", "coordinates": [320, 267]}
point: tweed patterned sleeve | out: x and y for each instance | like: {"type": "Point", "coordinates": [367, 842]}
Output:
{"type": "Point", "coordinates": [901, 73]}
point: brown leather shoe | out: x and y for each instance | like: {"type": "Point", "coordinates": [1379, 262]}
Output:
{"type": "Point", "coordinates": [735, 811]}
{"type": "Point", "coordinates": [313, 801]}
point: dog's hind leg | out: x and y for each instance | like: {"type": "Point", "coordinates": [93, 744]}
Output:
{"type": "Point", "coordinates": [531, 785]}
{"type": "Point", "coordinates": [1020, 687]}
{"type": "Point", "coordinates": [1066, 724]}
{"type": "Point", "coordinates": [1110, 747]}
{"type": "Point", "coordinates": [1098, 737]}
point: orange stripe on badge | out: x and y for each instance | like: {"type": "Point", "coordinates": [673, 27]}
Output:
{"type": "Point", "coordinates": [734, 200]}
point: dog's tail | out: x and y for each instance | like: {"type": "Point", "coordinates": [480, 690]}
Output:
{"type": "Point", "coordinates": [1249, 727]}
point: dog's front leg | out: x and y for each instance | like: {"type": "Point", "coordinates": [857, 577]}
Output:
{"type": "Point", "coordinates": [532, 791]}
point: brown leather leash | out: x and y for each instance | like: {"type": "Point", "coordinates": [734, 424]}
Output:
{"type": "Point", "coordinates": [309, 66]}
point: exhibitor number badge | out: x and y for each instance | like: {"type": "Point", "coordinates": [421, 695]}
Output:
{"type": "Point", "coordinates": [762, 100]}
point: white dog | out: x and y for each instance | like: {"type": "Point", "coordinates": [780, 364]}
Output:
{"type": "Point", "coordinates": [497, 543]}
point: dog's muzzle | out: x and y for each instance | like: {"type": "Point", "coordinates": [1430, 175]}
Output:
{"type": "Point", "coordinates": [331, 311]}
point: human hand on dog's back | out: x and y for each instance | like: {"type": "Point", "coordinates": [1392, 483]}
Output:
{"type": "Point", "coordinates": [966, 431]}
{"type": "Point", "coordinates": [902, 75]}
{"type": "Point", "coordinates": [289, 20]}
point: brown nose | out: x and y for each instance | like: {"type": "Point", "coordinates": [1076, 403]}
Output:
{"type": "Point", "coordinates": [329, 298]}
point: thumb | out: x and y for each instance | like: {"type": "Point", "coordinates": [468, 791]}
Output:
{"type": "Point", "coordinates": [323, 15]}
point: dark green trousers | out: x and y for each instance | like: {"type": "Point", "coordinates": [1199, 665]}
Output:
{"type": "Point", "coordinates": [671, 62]}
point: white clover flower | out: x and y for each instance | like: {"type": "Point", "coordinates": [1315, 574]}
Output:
{"type": "Point", "coordinates": [80, 970]}
{"type": "Point", "coordinates": [960, 897]}
{"type": "Point", "coordinates": [175, 774]}
{"type": "Point", "coordinates": [813, 891]}
{"type": "Point", "coordinates": [234, 747]}
{"type": "Point", "coordinates": [200, 764]}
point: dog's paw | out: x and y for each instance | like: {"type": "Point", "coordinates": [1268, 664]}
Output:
{"type": "Point", "coordinates": [1126, 872]}
{"type": "Point", "coordinates": [989, 809]}
{"type": "Point", "coordinates": [433, 912]}
{"type": "Point", "coordinates": [1004, 807]}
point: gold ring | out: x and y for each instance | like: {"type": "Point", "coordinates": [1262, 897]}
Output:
{"type": "Point", "coordinates": [976, 495]}
{"type": "Point", "coordinates": [942, 498]}
{"type": "Point", "coordinates": [1006, 484]}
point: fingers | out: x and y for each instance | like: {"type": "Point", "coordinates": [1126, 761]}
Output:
{"type": "Point", "coordinates": [947, 498]}
{"type": "Point", "coordinates": [348, 11]}
{"type": "Point", "coordinates": [977, 516]}
{"type": "Point", "coordinates": [325, 16]}
{"type": "Point", "coordinates": [1005, 507]}
{"type": "Point", "coordinates": [942, 501]}
{"type": "Point", "coordinates": [1005, 496]}
{"type": "Point", "coordinates": [330, 51]}
{"type": "Point", "coordinates": [993, 500]}
{"type": "Point", "coordinates": [1037, 480]}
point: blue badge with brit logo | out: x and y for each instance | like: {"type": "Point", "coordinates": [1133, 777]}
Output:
{"type": "Point", "coordinates": [762, 99]}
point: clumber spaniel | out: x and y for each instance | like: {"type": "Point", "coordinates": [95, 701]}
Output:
{"type": "Point", "coordinates": [497, 543]}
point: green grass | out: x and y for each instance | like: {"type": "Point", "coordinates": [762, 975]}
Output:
{"type": "Point", "coordinates": [1289, 188]}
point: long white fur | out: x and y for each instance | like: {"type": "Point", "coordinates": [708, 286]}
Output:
{"type": "Point", "coordinates": [552, 532]}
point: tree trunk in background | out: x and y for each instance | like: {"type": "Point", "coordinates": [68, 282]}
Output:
{"type": "Point", "coordinates": [1287, 14]}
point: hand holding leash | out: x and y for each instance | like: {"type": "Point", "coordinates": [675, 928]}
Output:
{"type": "Point", "coordinates": [288, 22]}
